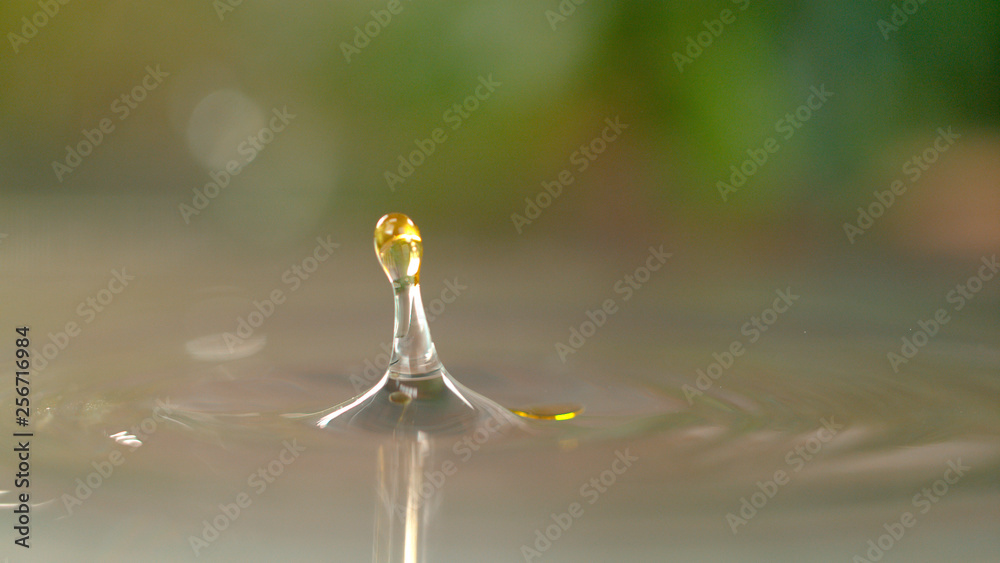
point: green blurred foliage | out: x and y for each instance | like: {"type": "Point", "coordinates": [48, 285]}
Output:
{"type": "Point", "coordinates": [558, 85]}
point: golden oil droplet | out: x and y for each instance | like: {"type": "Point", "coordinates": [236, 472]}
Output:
{"type": "Point", "coordinates": [416, 395]}
{"type": "Point", "coordinates": [558, 411]}
{"type": "Point", "coordinates": [399, 249]}
{"type": "Point", "coordinates": [399, 397]}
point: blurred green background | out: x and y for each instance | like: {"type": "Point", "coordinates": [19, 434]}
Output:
{"type": "Point", "coordinates": [360, 102]}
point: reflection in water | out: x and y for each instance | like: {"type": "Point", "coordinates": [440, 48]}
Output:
{"type": "Point", "coordinates": [406, 497]}
{"type": "Point", "coordinates": [561, 411]}
{"type": "Point", "coordinates": [217, 327]}
{"type": "Point", "coordinates": [126, 439]}
{"type": "Point", "coordinates": [215, 348]}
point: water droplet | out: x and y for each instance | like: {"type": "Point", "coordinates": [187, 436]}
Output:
{"type": "Point", "coordinates": [432, 400]}
{"type": "Point", "coordinates": [399, 249]}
